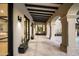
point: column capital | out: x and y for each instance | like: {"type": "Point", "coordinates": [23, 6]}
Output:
{"type": "Point", "coordinates": [71, 17]}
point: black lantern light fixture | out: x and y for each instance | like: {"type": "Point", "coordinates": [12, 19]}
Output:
{"type": "Point", "coordinates": [19, 18]}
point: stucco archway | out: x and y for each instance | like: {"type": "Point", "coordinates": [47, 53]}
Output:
{"type": "Point", "coordinates": [56, 29]}
{"type": "Point", "coordinates": [64, 8]}
{"type": "Point", "coordinates": [71, 18]}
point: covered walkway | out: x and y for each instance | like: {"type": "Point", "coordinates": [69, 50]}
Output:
{"type": "Point", "coordinates": [40, 29]}
{"type": "Point", "coordinates": [41, 46]}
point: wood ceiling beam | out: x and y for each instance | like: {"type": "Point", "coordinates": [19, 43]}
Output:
{"type": "Point", "coordinates": [40, 13]}
{"type": "Point", "coordinates": [41, 10]}
{"type": "Point", "coordinates": [41, 6]}
{"type": "Point", "coordinates": [37, 8]}
{"type": "Point", "coordinates": [4, 17]}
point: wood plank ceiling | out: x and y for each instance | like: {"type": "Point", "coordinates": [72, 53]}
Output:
{"type": "Point", "coordinates": [42, 11]}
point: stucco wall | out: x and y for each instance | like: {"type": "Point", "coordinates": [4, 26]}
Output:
{"type": "Point", "coordinates": [18, 27]}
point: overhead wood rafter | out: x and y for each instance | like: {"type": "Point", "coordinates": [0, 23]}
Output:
{"type": "Point", "coordinates": [42, 11]}
{"type": "Point", "coordinates": [4, 18]}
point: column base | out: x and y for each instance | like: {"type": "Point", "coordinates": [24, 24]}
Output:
{"type": "Point", "coordinates": [63, 48]}
{"type": "Point", "coordinates": [32, 37]}
{"type": "Point", "coordinates": [49, 38]}
{"type": "Point", "coordinates": [72, 50]}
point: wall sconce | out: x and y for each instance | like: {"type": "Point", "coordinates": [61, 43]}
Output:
{"type": "Point", "coordinates": [19, 18]}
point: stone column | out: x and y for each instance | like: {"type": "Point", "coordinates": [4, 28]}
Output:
{"type": "Point", "coordinates": [71, 35]}
{"type": "Point", "coordinates": [64, 44]}
{"type": "Point", "coordinates": [32, 37]}
{"type": "Point", "coordinates": [52, 30]}
{"type": "Point", "coordinates": [48, 31]}
{"type": "Point", "coordinates": [45, 29]}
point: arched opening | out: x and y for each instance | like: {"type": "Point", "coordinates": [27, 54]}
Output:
{"type": "Point", "coordinates": [58, 32]}
{"type": "Point", "coordinates": [77, 30]}
{"type": "Point", "coordinates": [48, 30]}
{"type": "Point", "coordinates": [72, 17]}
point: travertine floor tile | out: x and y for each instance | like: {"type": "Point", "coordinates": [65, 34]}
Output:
{"type": "Point", "coordinates": [41, 46]}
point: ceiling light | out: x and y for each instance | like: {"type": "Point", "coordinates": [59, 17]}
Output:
{"type": "Point", "coordinates": [1, 11]}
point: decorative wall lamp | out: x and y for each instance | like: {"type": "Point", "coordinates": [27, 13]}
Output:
{"type": "Point", "coordinates": [19, 18]}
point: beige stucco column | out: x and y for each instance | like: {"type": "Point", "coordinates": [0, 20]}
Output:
{"type": "Point", "coordinates": [32, 37]}
{"type": "Point", "coordinates": [52, 30]}
{"type": "Point", "coordinates": [64, 44]}
{"type": "Point", "coordinates": [48, 30]}
{"type": "Point", "coordinates": [71, 35]}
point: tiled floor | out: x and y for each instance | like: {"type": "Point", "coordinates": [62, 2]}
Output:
{"type": "Point", "coordinates": [41, 46]}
